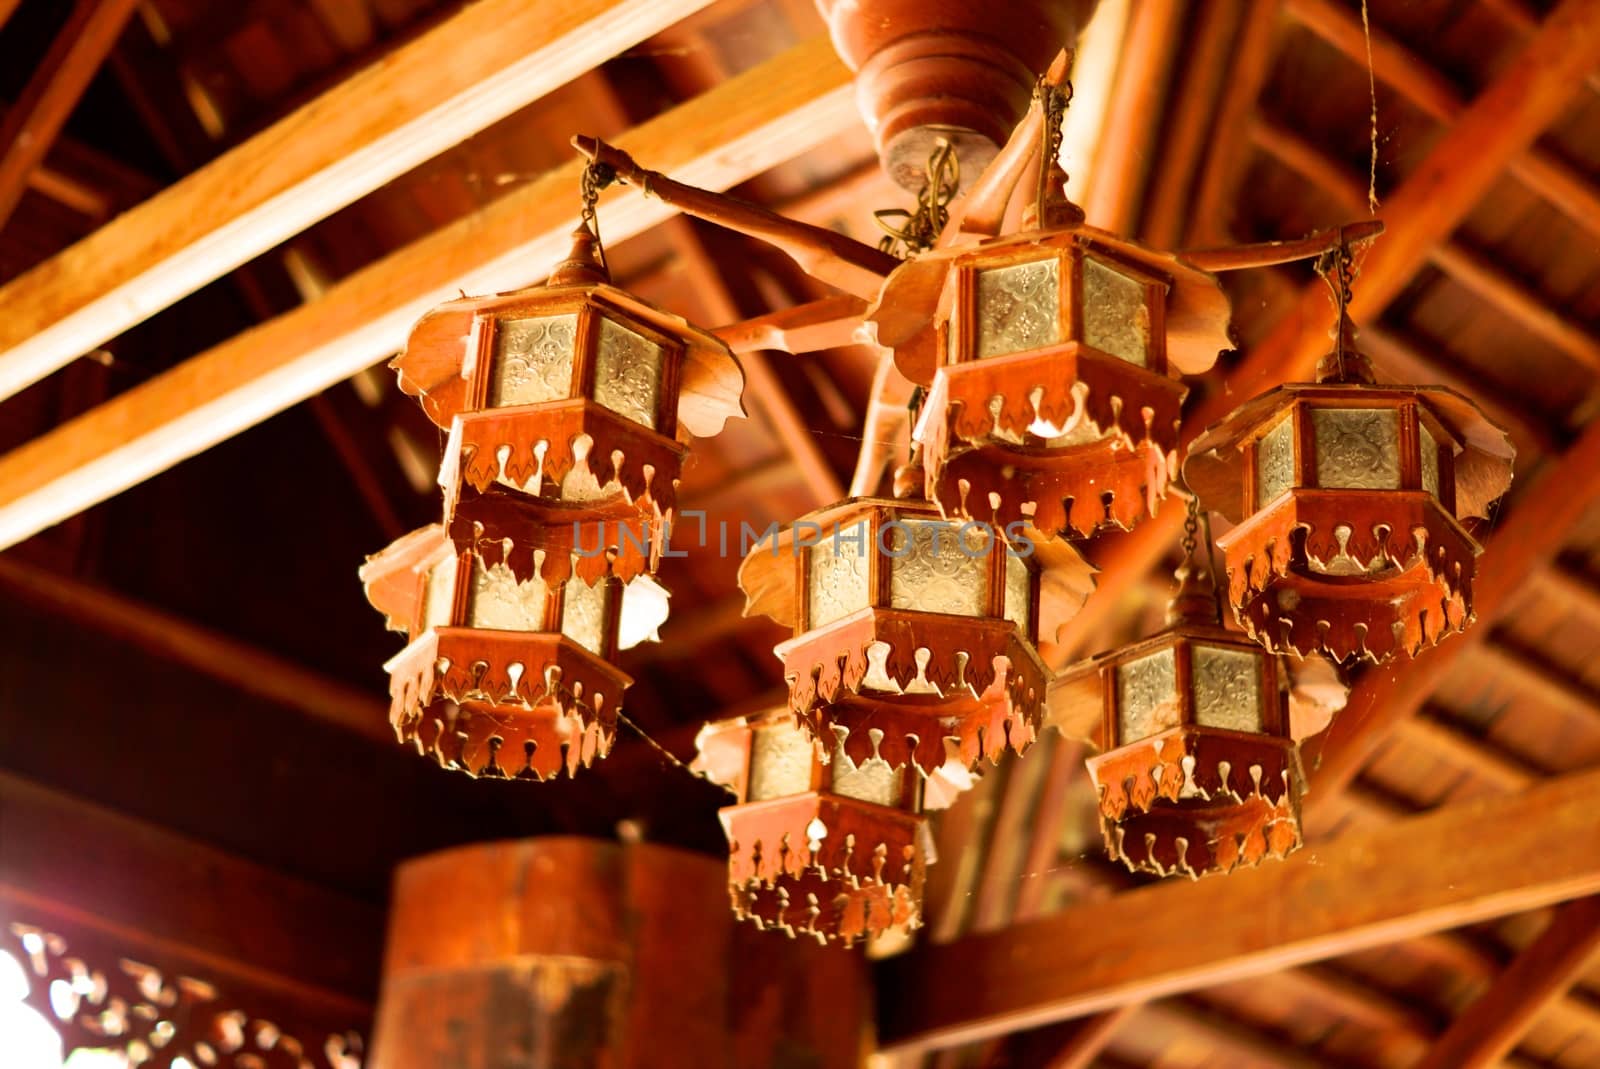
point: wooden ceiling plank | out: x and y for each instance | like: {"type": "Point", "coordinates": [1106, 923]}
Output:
{"type": "Point", "coordinates": [1568, 191]}
{"type": "Point", "coordinates": [744, 126]}
{"type": "Point", "coordinates": [31, 126]}
{"type": "Point", "coordinates": [1481, 277]}
{"type": "Point", "coordinates": [484, 63]}
{"type": "Point", "coordinates": [1457, 866]}
{"type": "Point", "coordinates": [158, 892]}
{"type": "Point", "coordinates": [1531, 92]}
{"type": "Point", "coordinates": [1493, 1024]}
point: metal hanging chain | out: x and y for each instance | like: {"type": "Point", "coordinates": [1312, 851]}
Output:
{"type": "Point", "coordinates": [596, 176]}
{"type": "Point", "coordinates": [1337, 266]}
{"type": "Point", "coordinates": [1191, 527]}
{"type": "Point", "coordinates": [1053, 100]}
{"type": "Point", "coordinates": [922, 226]}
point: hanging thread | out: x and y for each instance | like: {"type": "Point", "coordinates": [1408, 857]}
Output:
{"type": "Point", "coordinates": [1372, 88]}
{"type": "Point", "coordinates": [667, 755]}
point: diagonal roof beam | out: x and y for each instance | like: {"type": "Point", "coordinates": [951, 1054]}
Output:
{"type": "Point", "coordinates": [484, 63]}
{"type": "Point", "coordinates": [772, 113]}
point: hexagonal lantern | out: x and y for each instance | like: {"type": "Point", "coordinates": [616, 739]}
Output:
{"type": "Point", "coordinates": [505, 674]}
{"type": "Point", "coordinates": [921, 627]}
{"type": "Point", "coordinates": [1199, 773]}
{"type": "Point", "coordinates": [835, 849]}
{"type": "Point", "coordinates": [1047, 358]}
{"type": "Point", "coordinates": [1348, 499]}
{"type": "Point", "coordinates": [576, 392]}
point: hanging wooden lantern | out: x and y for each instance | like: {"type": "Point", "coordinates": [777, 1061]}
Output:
{"type": "Point", "coordinates": [835, 849]}
{"type": "Point", "coordinates": [1048, 358]}
{"type": "Point", "coordinates": [1349, 500]}
{"type": "Point", "coordinates": [576, 393]}
{"type": "Point", "coordinates": [920, 627]}
{"type": "Point", "coordinates": [506, 674]}
{"type": "Point", "coordinates": [1200, 772]}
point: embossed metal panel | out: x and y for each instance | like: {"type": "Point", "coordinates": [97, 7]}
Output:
{"type": "Point", "coordinates": [936, 566]}
{"type": "Point", "coordinates": [1019, 308]}
{"type": "Point", "coordinates": [500, 603]}
{"type": "Point", "coordinates": [781, 757]}
{"type": "Point", "coordinates": [1430, 461]}
{"type": "Point", "coordinates": [1357, 448]}
{"type": "Point", "coordinates": [533, 360]}
{"type": "Point", "coordinates": [839, 574]}
{"type": "Point", "coordinates": [627, 373]}
{"type": "Point", "coordinates": [1227, 688]}
{"type": "Point", "coordinates": [1019, 593]}
{"type": "Point", "coordinates": [1275, 462]}
{"type": "Point", "coordinates": [873, 780]}
{"type": "Point", "coordinates": [438, 597]}
{"type": "Point", "coordinates": [1116, 313]}
{"type": "Point", "coordinates": [583, 613]}
{"type": "Point", "coordinates": [1147, 696]}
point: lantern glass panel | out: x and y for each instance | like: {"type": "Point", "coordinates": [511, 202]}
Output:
{"type": "Point", "coordinates": [584, 612]}
{"type": "Point", "coordinates": [781, 757]}
{"type": "Point", "coordinates": [1227, 688]}
{"type": "Point", "coordinates": [1147, 696]}
{"type": "Point", "coordinates": [439, 596]}
{"type": "Point", "coordinates": [1116, 313]}
{"type": "Point", "coordinates": [1019, 593]}
{"type": "Point", "coordinates": [1019, 307]}
{"type": "Point", "coordinates": [1357, 448]}
{"type": "Point", "coordinates": [1275, 462]}
{"type": "Point", "coordinates": [937, 566]}
{"type": "Point", "coordinates": [873, 780]}
{"type": "Point", "coordinates": [1430, 460]}
{"type": "Point", "coordinates": [533, 360]}
{"type": "Point", "coordinates": [627, 373]}
{"type": "Point", "coordinates": [839, 575]}
{"type": "Point", "coordinates": [500, 603]}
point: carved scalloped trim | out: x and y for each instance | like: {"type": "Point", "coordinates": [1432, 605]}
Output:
{"type": "Point", "coordinates": [1286, 606]}
{"type": "Point", "coordinates": [1187, 763]}
{"type": "Point", "coordinates": [992, 708]}
{"type": "Point", "coordinates": [465, 699]}
{"type": "Point", "coordinates": [863, 875]}
{"type": "Point", "coordinates": [1047, 491]}
{"type": "Point", "coordinates": [559, 547]}
{"type": "Point", "coordinates": [1197, 840]}
{"type": "Point", "coordinates": [544, 444]}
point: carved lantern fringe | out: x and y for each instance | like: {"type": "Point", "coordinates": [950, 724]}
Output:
{"type": "Point", "coordinates": [1046, 357]}
{"type": "Point", "coordinates": [818, 845]}
{"type": "Point", "coordinates": [1200, 773]}
{"type": "Point", "coordinates": [918, 626]}
{"type": "Point", "coordinates": [576, 393]}
{"type": "Point", "coordinates": [1349, 500]}
{"type": "Point", "coordinates": [507, 673]}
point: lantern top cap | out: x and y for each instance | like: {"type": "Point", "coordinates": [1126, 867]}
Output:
{"type": "Point", "coordinates": [1215, 465]}
{"type": "Point", "coordinates": [1198, 314]}
{"type": "Point", "coordinates": [585, 263]}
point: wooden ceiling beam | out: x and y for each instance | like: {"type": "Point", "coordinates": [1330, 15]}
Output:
{"type": "Point", "coordinates": [31, 126]}
{"type": "Point", "coordinates": [1569, 192]}
{"type": "Point", "coordinates": [1457, 866]}
{"type": "Point", "coordinates": [744, 126]}
{"type": "Point", "coordinates": [1488, 1029]}
{"type": "Point", "coordinates": [1530, 92]}
{"type": "Point", "coordinates": [483, 64]}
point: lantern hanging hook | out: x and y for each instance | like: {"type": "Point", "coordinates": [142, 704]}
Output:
{"type": "Point", "coordinates": [596, 176]}
{"type": "Point", "coordinates": [922, 226]}
{"type": "Point", "coordinates": [1053, 100]}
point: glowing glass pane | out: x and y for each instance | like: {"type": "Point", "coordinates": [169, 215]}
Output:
{"type": "Point", "coordinates": [1116, 313]}
{"type": "Point", "coordinates": [1019, 593]}
{"type": "Point", "coordinates": [1227, 688]}
{"type": "Point", "coordinates": [1019, 308]}
{"type": "Point", "coordinates": [1147, 696]}
{"type": "Point", "coordinates": [583, 613]}
{"type": "Point", "coordinates": [533, 360]}
{"type": "Point", "coordinates": [1275, 462]}
{"type": "Point", "coordinates": [873, 780]}
{"type": "Point", "coordinates": [839, 575]}
{"type": "Point", "coordinates": [781, 756]}
{"type": "Point", "coordinates": [1430, 461]}
{"type": "Point", "coordinates": [438, 597]}
{"type": "Point", "coordinates": [935, 566]}
{"type": "Point", "coordinates": [1357, 448]}
{"type": "Point", "coordinates": [627, 373]}
{"type": "Point", "coordinates": [500, 603]}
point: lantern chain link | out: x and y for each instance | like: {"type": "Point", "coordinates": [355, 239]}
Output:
{"type": "Point", "coordinates": [596, 176]}
{"type": "Point", "coordinates": [921, 228]}
{"type": "Point", "coordinates": [1053, 101]}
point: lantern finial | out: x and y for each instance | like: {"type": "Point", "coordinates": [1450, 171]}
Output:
{"type": "Point", "coordinates": [585, 265]}
{"type": "Point", "coordinates": [1194, 598]}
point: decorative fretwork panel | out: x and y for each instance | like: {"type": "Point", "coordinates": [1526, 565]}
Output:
{"type": "Point", "coordinates": [839, 575]}
{"type": "Point", "coordinates": [1147, 696]}
{"type": "Point", "coordinates": [782, 757]}
{"type": "Point", "coordinates": [1116, 313]}
{"type": "Point", "coordinates": [938, 567]}
{"type": "Point", "coordinates": [1430, 461]}
{"type": "Point", "coordinates": [1018, 308]}
{"type": "Point", "coordinates": [1357, 448]}
{"type": "Point", "coordinates": [627, 373]}
{"type": "Point", "coordinates": [1019, 593]}
{"type": "Point", "coordinates": [1227, 688]}
{"type": "Point", "coordinates": [1275, 461]}
{"type": "Point", "coordinates": [583, 613]}
{"type": "Point", "coordinates": [533, 360]}
{"type": "Point", "coordinates": [500, 603]}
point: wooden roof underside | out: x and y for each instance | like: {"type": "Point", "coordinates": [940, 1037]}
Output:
{"type": "Point", "coordinates": [239, 210]}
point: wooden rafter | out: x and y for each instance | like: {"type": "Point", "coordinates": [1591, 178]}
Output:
{"type": "Point", "coordinates": [483, 64]}
{"type": "Point", "coordinates": [745, 125]}
{"type": "Point", "coordinates": [1454, 867]}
